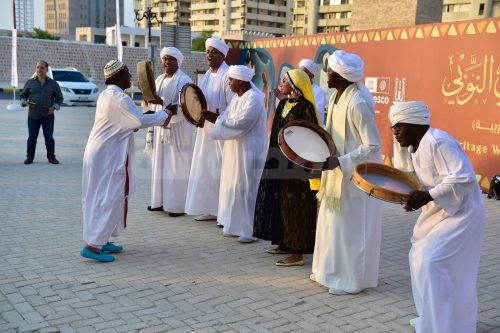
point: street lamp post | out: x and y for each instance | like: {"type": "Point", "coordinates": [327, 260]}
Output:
{"type": "Point", "coordinates": [149, 15]}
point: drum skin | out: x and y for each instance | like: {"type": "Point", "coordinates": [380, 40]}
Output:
{"type": "Point", "coordinates": [192, 102]}
{"type": "Point", "coordinates": [295, 156]}
{"type": "Point", "coordinates": [379, 192]}
{"type": "Point", "coordinates": [146, 81]}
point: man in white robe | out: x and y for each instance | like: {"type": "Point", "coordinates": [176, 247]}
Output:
{"type": "Point", "coordinates": [348, 232]}
{"type": "Point", "coordinates": [311, 69]}
{"type": "Point", "coordinates": [172, 146]}
{"type": "Point", "coordinates": [204, 178]}
{"type": "Point", "coordinates": [448, 234]}
{"type": "Point", "coordinates": [243, 129]}
{"type": "Point", "coordinates": [107, 175]}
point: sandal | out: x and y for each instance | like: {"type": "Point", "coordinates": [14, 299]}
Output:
{"type": "Point", "coordinates": [276, 250]}
{"type": "Point", "coordinates": [287, 262]}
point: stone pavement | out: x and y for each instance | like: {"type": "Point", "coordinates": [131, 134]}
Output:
{"type": "Point", "coordinates": [176, 274]}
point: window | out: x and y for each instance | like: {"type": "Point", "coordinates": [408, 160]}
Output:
{"type": "Point", "coordinates": [481, 9]}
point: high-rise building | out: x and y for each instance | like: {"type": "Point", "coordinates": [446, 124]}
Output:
{"type": "Point", "coordinates": [456, 10]}
{"type": "Point", "coordinates": [323, 16]}
{"type": "Point", "coordinates": [170, 12]}
{"type": "Point", "coordinates": [267, 16]}
{"type": "Point", "coordinates": [24, 14]}
{"type": "Point", "coordinates": [63, 16]}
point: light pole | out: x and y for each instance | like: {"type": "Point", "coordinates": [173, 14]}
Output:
{"type": "Point", "coordinates": [149, 15]}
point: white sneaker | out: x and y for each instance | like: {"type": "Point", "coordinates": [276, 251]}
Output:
{"type": "Point", "coordinates": [228, 235]}
{"type": "Point", "coordinates": [414, 322]}
{"type": "Point", "coordinates": [246, 240]}
{"type": "Point", "coordinates": [205, 217]}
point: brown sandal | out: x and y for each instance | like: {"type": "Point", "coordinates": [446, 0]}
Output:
{"type": "Point", "coordinates": [276, 250]}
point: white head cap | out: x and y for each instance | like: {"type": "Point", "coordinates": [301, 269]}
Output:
{"type": "Point", "coordinates": [173, 52]}
{"type": "Point", "coordinates": [413, 112]}
{"type": "Point", "coordinates": [348, 65]}
{"type": "Point", "coordinates": [311, 66]}
{"type": "Point", "coordinates": [217, 43]}
{"type": "Point", "coordinates": [240, 72]}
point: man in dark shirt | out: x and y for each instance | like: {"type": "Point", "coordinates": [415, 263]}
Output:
{"type": "Point", "coordinates": [43, 96]}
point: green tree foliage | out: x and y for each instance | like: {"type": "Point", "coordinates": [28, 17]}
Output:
{"type": "Point", "coordinates": [199, 42]}
{"type": "Point", "coordinates": [42, 34]}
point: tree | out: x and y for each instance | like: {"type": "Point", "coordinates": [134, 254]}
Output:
{"type": "Point", "coordinates": [42, 34]}
{"type": "Point", "coordinates": [199, 42]}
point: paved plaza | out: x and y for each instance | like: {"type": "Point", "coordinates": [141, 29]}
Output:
{"type": "Point", "coordinates": [176, 274]}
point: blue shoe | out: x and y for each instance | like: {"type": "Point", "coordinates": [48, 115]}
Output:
{"type": "Point", "coordinates": [112, 248]}
{"type": "Point", "coordinates": [102, 257]}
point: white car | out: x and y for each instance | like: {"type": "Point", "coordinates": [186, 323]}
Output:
{"type": "Point", "coordinates": [76, 88]}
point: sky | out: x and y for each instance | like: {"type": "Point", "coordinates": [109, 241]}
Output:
{"type": "Point", "coordinates": [6, 14]}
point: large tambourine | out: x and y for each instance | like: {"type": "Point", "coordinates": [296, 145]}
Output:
{"type": "Point", "coordinates": [305, 144]}
{"type": "Point", "coordinates": [147, 82]}
{"type": "Point", "coordinates": [384, 182]}
{"type": "Point", "coordinates": [192, 102]}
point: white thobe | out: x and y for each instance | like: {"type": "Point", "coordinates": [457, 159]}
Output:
{"type": "Point", "coordinates": [347, 248]}
{"type": "Point", "coordinates": [320, 100]}
{"type": "Point", "coordinates": [243, 127]}
{"type": "Point", "coordinates": [447, 237]}
{"type": "Point", "coordinates": [107, 164]}
{"type": "Point", "coordinates": [172, 149]}
{"type": "Point", "coordinates": [204, 177]}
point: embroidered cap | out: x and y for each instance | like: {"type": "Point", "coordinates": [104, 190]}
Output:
{"type": "Point", "coordinates": [112, 68]}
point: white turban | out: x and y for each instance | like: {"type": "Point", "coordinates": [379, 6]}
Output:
{"type": "Point", "coordinates": [173, 52]}
{"type": "Point", "coordinates": [414, 112]}
{"type": "Point", "coordinates": [310, 65]}
{"type": "Point", "coordinates": [348, 65]}
{"type": "Point", "coordinates": [218, 44]}
{"type": "Point", "coordinates": [240, 72]}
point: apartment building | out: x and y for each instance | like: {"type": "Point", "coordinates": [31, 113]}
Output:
{"type": "Point", "coordinates": [170, 12]}
{"type": "Point", "coordinates": [24, 14]}
{"type": "Point", "coordinates": [325, 16]}
{"type": "Point", "coordinates": [456, 10]}
{"type": "Point", "coordinates": [63, 16]}
{"type": "Point", "coordinates": [266, 16]}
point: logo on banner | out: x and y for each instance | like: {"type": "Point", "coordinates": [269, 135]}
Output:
{"type": "Point", "coordinates": [399, 89]}
{"type": "Point", "coordinates": [378, 85]}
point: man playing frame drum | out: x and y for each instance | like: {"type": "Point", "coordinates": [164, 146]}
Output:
{"type": "Point", "coordinates": [107, 175]}
{"type": "Point", "coordinates": [243, 129]}
{"type": "Point", "coordinates": [348, 231]}
{"type": "Point", "coordinates": [448, 234]}
{"type": "Point", "coordinates": [204, 177]}
{"type": "Point", "coordinates": [171, 147]}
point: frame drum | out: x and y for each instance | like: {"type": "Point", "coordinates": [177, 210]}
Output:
{"type": "Point", "coordinates": [305, 144]}
{"type": "Point", "coordinates": [147, 81]}
{"type": "Point", "coordinates": [385, 182]}
{"type": "Point", "coordinates": [192, 102]}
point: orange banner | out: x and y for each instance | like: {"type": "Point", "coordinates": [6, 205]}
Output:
{"type": "Point", "coordinates": [453, 67]}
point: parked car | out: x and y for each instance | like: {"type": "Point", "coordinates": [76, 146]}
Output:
{"type": "Point", "coordinates": [76, 88]}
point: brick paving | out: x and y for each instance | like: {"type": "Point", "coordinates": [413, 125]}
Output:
{"type": "Point", "coordinates": [176, 274]}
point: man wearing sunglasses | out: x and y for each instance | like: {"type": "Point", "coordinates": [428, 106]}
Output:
{"type": "Point", "coordinates": [448, 234]}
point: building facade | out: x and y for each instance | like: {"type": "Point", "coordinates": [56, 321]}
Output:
{"type": "Point", "coordinates": [171, 12]}
{"type": "Point", "coordinates": [63, 16]}
{"type": "Point", "coordinates": [325, 16]}
{"type": "Point", "coordinates": [24, 14]}
{"type": "Point", "coordinates": [457, 10]}
{"type": "Point", "coordinates": [266, 16]}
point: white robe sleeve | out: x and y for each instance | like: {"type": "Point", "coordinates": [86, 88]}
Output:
{"type": "Point", "coordinates": [238, 119]}
{"type": "Point", "coordinates": [363, 119]}
{"type": "Point", "coordinates": [455, 174]}
{"type": "Point", "coordinates": [133, 118]}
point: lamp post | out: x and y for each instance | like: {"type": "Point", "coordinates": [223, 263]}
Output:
{"type": "Point", "coordinates": [149, 15]}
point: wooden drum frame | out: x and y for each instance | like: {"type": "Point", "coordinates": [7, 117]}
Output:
{"type": "Point", "coordinates": [296, 157]}
{"type": "Point", "coordinates": [187, 102]}
{"type": "Point", "coordinates": [380, 192]}
{"type": "Point", "coordinates": [147, 81]}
